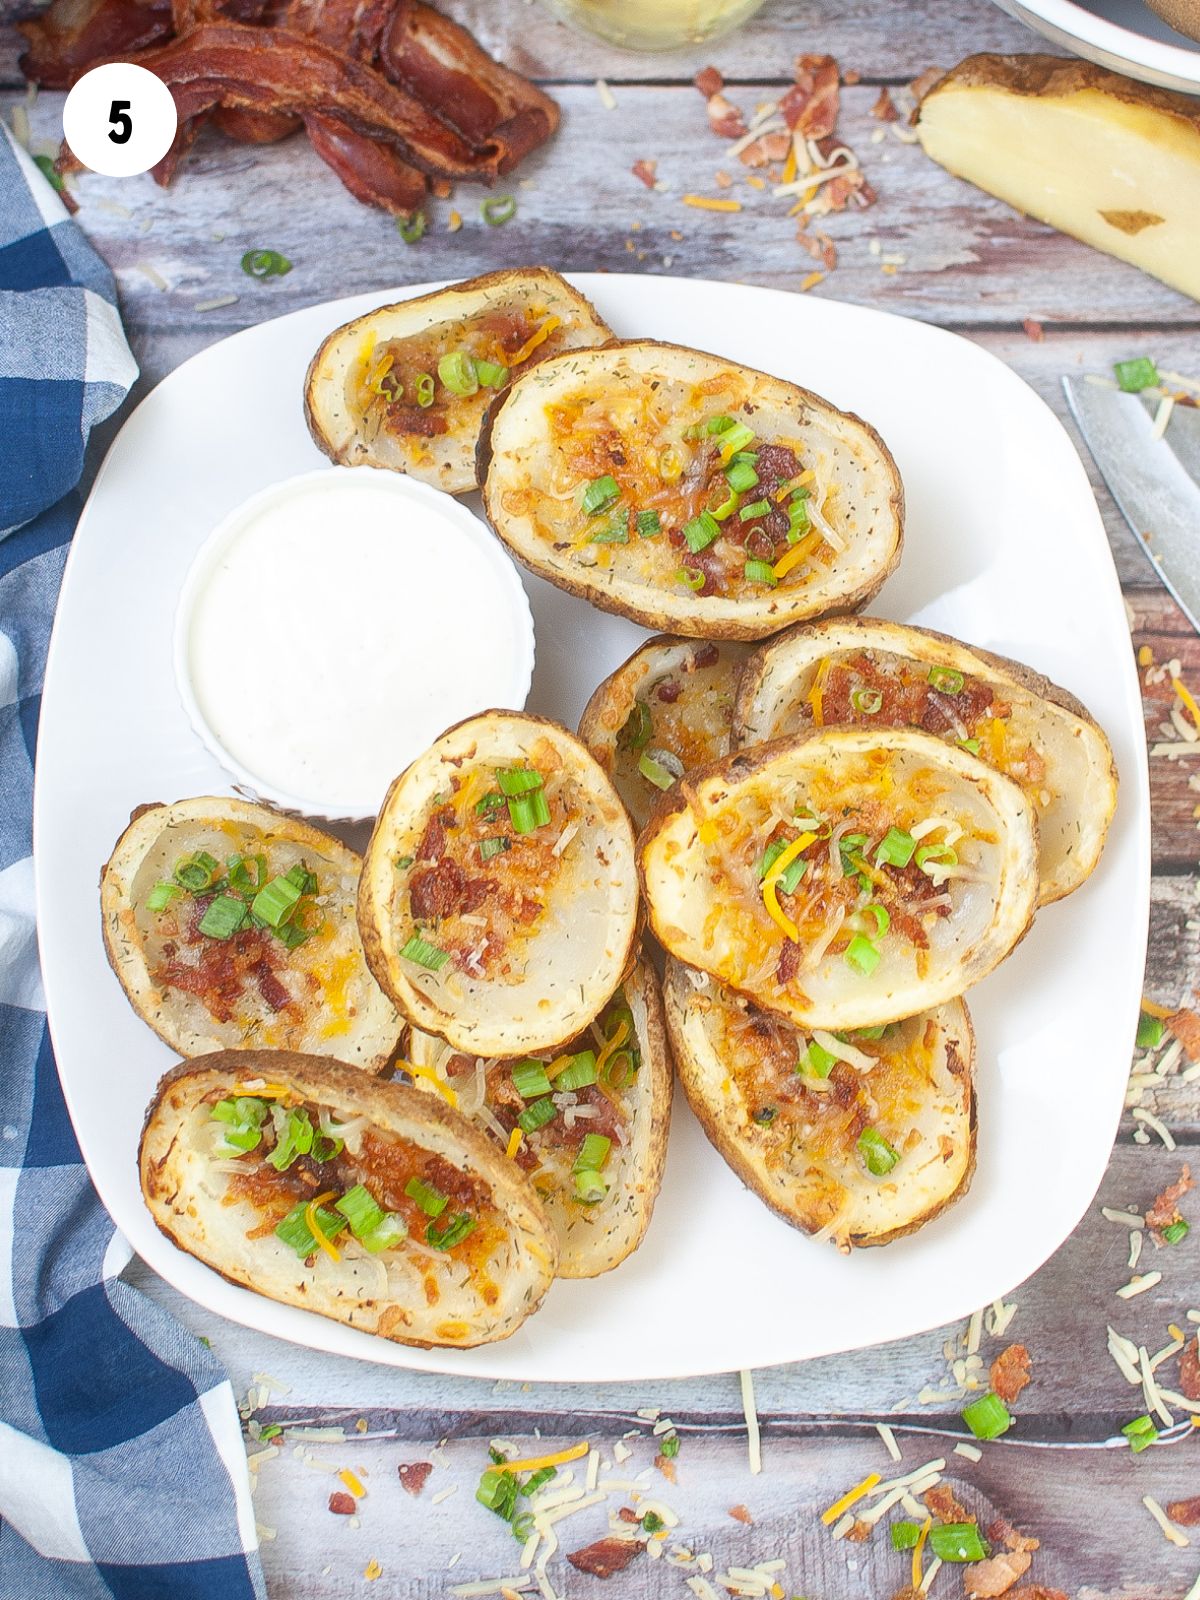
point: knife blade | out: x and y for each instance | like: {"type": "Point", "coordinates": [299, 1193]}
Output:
{"type": "Point", "coordinates": [1155, 482]}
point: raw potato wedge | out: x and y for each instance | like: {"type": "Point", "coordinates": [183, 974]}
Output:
{"type": "Point", "coordinates": [500, 933]}
{"type": "Point", "coordinates": [665, 710]}
{"type": "Point", "coordinates": [630, 1105]}
{"type": "Point", "coordinates": [662, 424]}
{"type": "Point", "coordinates": [872, 673]}
{"type": "Point", "coordinates": [1113, 162]}
{"type": "Point", "coordinates": [202, 992]}
{"type": "Point", "coordinates": [905, 1103]}
{"type": "Point", "coordinates": [507, 319]}
{"type": "Point", "coordinates": [846, 879]}
{"type": "Point", "coordinates": [435, 1282]}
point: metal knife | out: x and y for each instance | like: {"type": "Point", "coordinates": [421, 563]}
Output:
{"type": "Point", "coordinates": [1155, 482]}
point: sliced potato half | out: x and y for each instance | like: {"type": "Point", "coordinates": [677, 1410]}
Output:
{"type": "Point", "coordinates": [846, 879]}
{"type": "Point", "coordinates": [688, 492]}
{"type": "Point", "coordinates": [860, 1140]}
{"type": "Point", "coordinates": [863, 671]}
{"type": "Point", "coordinates": [498, 904]}
{"type": "Point", "coordinates": [406, 386]}
{"type": "Point", "coordinates": [212, 966]}
{"type": "Point", "coordinates": [599, 1199]}
{"type": "Point", "coordinates": [665, 710]}
{"type": "Point", "coordinates": [428, 1236]}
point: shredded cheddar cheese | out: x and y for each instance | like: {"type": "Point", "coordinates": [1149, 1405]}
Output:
{"type": "Point", "coordinates": [514, 1143]}
{"type": "Point", "coordinates": [703, 202]}
{"type": "Point", "coordinates": [535, 1463]}
{"type": "Point", "coordinates": [816, 695]}
{"type": "Point", "coordinates": [515, 357]}
{"type": "Point", "coordinates": [265, 1091]}
{"type": "Point", "coordinates": [917, 1549]}
{"type": "Point", "coordinates": [430, 1077]}
{"type": "Point", "coordinates": [769, 893]}
{"type": "Point", "coordinates": [352, 1482]}
{"type": "Point", "coordinates": [798, 553]}
{"type": "Point", "coordinates": [1153, 1009]}
{"type": "Point", "coordinates": [314, 1226]}
{"type": "Point", "coordinates": [1185, 694]}
{"type": "Point", "coordinates": [831, 1513]}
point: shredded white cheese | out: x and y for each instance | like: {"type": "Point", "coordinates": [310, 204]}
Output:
{"type": "Point", "coordinates": [1155, 1126]}
{"type": "Point", "coordinates": [1174, 1534]}
{"type": "Point", "coordinates": [972, 1452]}
{"type": "Point", "coordinates": [889, 1440]}
{"type": "Point", "coordinates": [1139, 1285]}
{"type": "Point", "coordinates": [752, 1432]}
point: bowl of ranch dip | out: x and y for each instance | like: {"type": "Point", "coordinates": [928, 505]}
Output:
{"type": "Point", "coordinates": [333, 625]}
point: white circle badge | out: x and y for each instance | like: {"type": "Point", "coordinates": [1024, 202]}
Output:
{"type": "Point", "coordinates": [120, 119]}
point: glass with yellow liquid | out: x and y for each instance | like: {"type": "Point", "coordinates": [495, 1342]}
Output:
{"type": "Point", "coordinates": [656, 24]}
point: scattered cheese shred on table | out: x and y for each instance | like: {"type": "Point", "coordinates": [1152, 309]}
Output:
{"type": "Point", "coordinates": [703, 202]}
{"type": "Point", "coordinates": [833, 1512]}
{"type": "Point", "coordinates": [753, 1438]}
{"type": "Point", "coordinates": [533, 1463]}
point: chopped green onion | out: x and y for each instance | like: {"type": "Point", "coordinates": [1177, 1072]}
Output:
{"type": "Point", "coordinates": [537, 1480]}
{"type": "Point", "coordinates": [326, 1146]}
{"type": "Point", "coordinates": [770, 856]}
{"type": "Point", "coordinates": [788, 880]}
{"type": "Point", "coordinates": [243, 1109]}
{"type": "Point", "coordinates": [740, 474]}
{"type": "Point", "coordinates": [579, 1074]}
{"type": "Point", "coordinates": [728, 506]}
{"type": "Point", "coordinates": [498, 1492]}
{"type": "Point", "coordinates": [53, 177]}
{"type": "Point", "coordinates": [958, 1541]}
{"type": "Point", "coordinates": [736, 438]}
{"type": "Point", "coordinates": [529, 1079]}
{"type": "Point", "coordinates": [936, 855]}
{"type": "Point", "coordinates": [756, 508]}
{"type": "Point", "coordinates": [817, 1062]}
{"type": "Point", "coordinates": [638, 726]}
{"type": "Point", "coordinates": [490, 375]}
{"type": "Point", "coordinates": [761, 572]}
{"type": "Point", "coordinates": [161, 895]}
{"type": "Point", "coordinates": [360, 1209]}
{"type": "Point", "coordinates": [971, 746]}
{"type": "Point", "coordinates": [870, 1033]}
{"type": "Point", "coordinates": [224, 916]}
{"type": "Point", "coordinates": [1150, 1032]}
{"type": "Point", "coordinates": [522, 1525]}
{"type": "Point", "coordinates": [593, 1153]}
{"type": "Point", "coordinates": [1135, 375]}
{"type": "Point", "coordinates": [700, 532]}
{"type": "Point", "coordinates": [424, 954]}
{"type": "Point", "coordinates": [590, 1188]}
{"type": "Point", "coordinates": [881, 917]}
{"type": "Point", "coordinates": [798, 520]}
{"type": "Point", "coordinates": [293, 935]}
{"type": "Point", "coordinates": [692, 576]}
{"type": "Point", "coordinates": [498, 209]}
{"type": "Point", "coordinates": [491, 802]}
{"type": "Point", "coordinates": [242, 880]}
{"type": "Point", "coordinates": [529, 811]}
{"type": "Point", "coordinates": [265, 264]}
{"type": "Point", "coordinates": [905, 1535]}
{"type": "Point", "coordinates": [649, 524]}
{"type": "Point", "coordinates": [301, 878]}
{"type": "Point", "coordinates": [1176, 1232]}
{"type": "Point", "coordinates": [867, 701]}
{"type": "Point", "coordinates": [274, 903]}
{"type": "Point", "coordinates": [537, 1115]}
{"type": "Point", "coordinates": [298, 1236]}
{"type": "Point", "coordinates": [518, 780]}
{"type": "Point", "coordinates": [295, 1140]}
{"type": "Point", "coordinates": [457, 373]}
{"type": "Point", "coordinates": [862, 955]}
{"type": "Point", "coordinates": [652, 1522]}
{"type": "Point", "coordinates": [1141, 1433]}
{"type": "Point", "coordinates": [428, 1199]}
{"type": "Point", "coordinates": [946, 680]}
{"type": "Point", "coordinates": [718, 424]}
{"type": "Point", "coordinates": [412, 228]}
{"type": "Point", "coordinates": [391, 1230]}
{"type": "Point", "coordinates": [849, 846]}
{"type": "Point", "coordinates": [425, 390]}
{"type": "Point", "coordinates": [451, 1233]}
{"type": "Point", "coordinates": [617, 531]}
{"type": "Point", "coordinates": [988, 1417]}
{"type": "Point", "coordinates": [600, 494]}
{"type": "Point", "coordinates": [493, 847]}
{"type": "Point", "coordinates": [877, 1153]}
{"type": "Point", "coordinates": [654, 772]}
{"type": "Point", "coordinates": [197, 872]}
{"type": "Point", "coordinates": [272, 1429]}
{"type": "Point", "coordinates": [895, 849]}
{"type": "Point", "coordinates": [668, 1445]}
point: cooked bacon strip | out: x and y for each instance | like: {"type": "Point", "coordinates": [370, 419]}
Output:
{"type": "Point", "coordinates": [275, 70]}
{"type": "Point", "coordinates": [442, 65]}
{"type": "Point", "coordinates": [377, 174]}
{"type": "Point", "coordinates": [254, 127]}
{"type": "Point", "coordinates": [72, 35]}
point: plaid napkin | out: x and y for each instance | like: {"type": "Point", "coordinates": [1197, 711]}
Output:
{"type": "Point", "coordinates": [121, 1464]}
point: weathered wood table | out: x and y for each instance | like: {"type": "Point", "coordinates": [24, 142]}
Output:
{"type": "Point", "coordinates": [945, 253]}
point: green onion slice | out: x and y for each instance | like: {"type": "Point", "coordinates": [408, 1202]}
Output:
{"type": "Point", "coordinates": [498, 209]}
{"type": "Point", "coordinates": [649, 524]}
{"type": "Point", "coordinates": [692, 576]}
{"type": "Point", "coordinates": [457, 372]}
{"type": "Point", "coordinates": [905, 1535]}
{"type": "Point", "coordinates": [1176, 1232]}
{"type": "Point", "coordinates": [427, 1197]}
{"type": "Point", "coordinates": [360, 1209]}
{"type": "Point", "coordinates": [450, 1233]}
{"type": "Point", "coordinates": [1136, 375]}
{"type": "Point", "coordinates": [161, 896]}
{"type": "Point", "coordinates": [530, 1080]}
{"type": "Point", "coordinates": [490, 375]}
{"type": "Point", "coordinates": [590, 1188]}
{"type": "Point", "coordinates": [958, 1541]}
{"type": "Point", "coordinates": [537, 1115]}
{"type": "Point", "coordinates": [816, 1061]}
{"type": "Point", "coordinates": [265, 264]}
{"type": "Point", "coordinates": [295, 1140]}
{"type": "Point", "coordinates": [895, 849]}
{"type": "Point", "coordinates": [529, 811]}
{"type": "Point", "coordinates": [274, 903]}
{"type": "Point", "coordinates": [638, 727]}
{"type": "Point", "coordinates": [242, 880]}
{"type": "Point", "coordinates": [296, 1233]}
{"type": "Point", "coordinates": [931, 856]}
{"type": "Point", "coordinates": [412, 228]}
{"type": "Point", "coordinates": [424, 954]}
{"type": "Point", "coordinates": [600, 494]}
{"type": "Point", "coordinates": [484, 808]}
{"type": "Point", "coordinates": [494, 847]}
{"type": "Point", "coordinates": [579, 1073]}
{"type": "Point", "coordinates": [971, 746]}
{"type": "Point", "coordinates": [518, 780]}
{"type": "Point", "coordinates": [668, 1445]}
{"type": "Point", "coordinates": [197, 872]}
{"type": "Point", "coordinates": [728, 506]}
{"type": "Point", "coordinates": [45, 165]}
{"type": "Point", "coordinates": [655, 772]}
{"type": "Point", "coordinates": [425, 390]}
{"type": "Point", "coordinates": [1141, 1433]}
{"type": "Point", "coordinates": [867, 701]}
{"type": "Point", "coordinates": [593, 1153]}
{"type": "Point", "coordinates": [617, 531]}
{"type": "Point", "coordinates": [862, 955]}
{"type": "Point", "coordinates": [988, 1417]}
{"type": "Point", "coordinates": [798, 520]}
{"type": "Point", "coordinates": [761, 572]}
{"type": "Point", "coordinates": [498, 1492]}
{"type": "Point", "coordinates": [1150, 1030]}
{"type": "Point", "coordinates": [946, 680]}
{"type": "Point", "coordinates": [741, 475]}
{"type": "Point", "coordinates": [736, 438]}
{"type": "Point", "coordinates": [756, 508]}
{"type": "Point", "coordinates": [877, 1153]}
{"type": "Point", "coordinates": [700, 532]}
{"type": "Point", "coordinates": [224, 916]}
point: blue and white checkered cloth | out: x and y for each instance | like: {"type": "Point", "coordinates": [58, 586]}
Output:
{"type": "Point", "coordinates": [122, 1471]}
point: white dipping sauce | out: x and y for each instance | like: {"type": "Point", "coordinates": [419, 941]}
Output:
{"type": "Point", "coordinates": [339, 624]}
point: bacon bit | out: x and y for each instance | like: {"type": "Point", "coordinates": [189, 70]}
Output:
{"type": "Point", "coordinates": [1002, 1532]}
{"type": "Point", "coordinates": [740, 1514]}
{"type": "Point", "coordinates": [1165, 1209]}
{"type": "Point", "coordinates": [852, 77]}
{"type": "Point", "coordinates": [771, 147]}
{"type": "Point", "coordinates": [441, 188]}
{"type": "Point", "coordinates": [606, 1556]}
{"type": "Point", "coordinates": [1189, 1370]}
{"type": "Point", "coordinates": [724, 118]}
{"type": "Point", "coordinates": [1033, 330]}
{"type": "Point", "coordinates": [810, 106]}
{"type": "Point", "coordinates": [813, 279]}
{"type": "Point", "coordinates": [1185, 1512]}
{"type": "Point", "coordinates": [414, 1475]}
{"type": "Point", "coordinates": [1185, 1025]}
{"type": "Point", "coordinates": [987, 1579]}
{"type": "Point", "coordinates": [703, 202]}
{"type": "Point", "coordinates": [945, 1506]}
{"type": "Point", "coordinates": [860, 1531]}
{"type": "Point", "coordinates": [342, 1505]}
{"type": "Point", "coordinates": [647, 171]}
{"type": "Point", "coordinates": [884, 109]}
{"type": "Point", "coordinates": [628, 1514]}
{"type": "Point", "coordinates": [921, 86]}
{"type": "Point", "coordinates": [722, 180]}
{"type": "Point", "coordinates": [819, 246]}
{"type": "Point", "coordinates": [667, 1467]}
{"type": "Point", "coordinates": [709, 82]}
{"type": "Point", "coordinates": [1010, 1373]}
